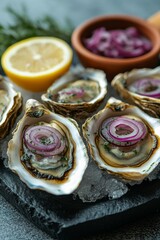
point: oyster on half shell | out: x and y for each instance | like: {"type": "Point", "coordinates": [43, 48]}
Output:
{"type": "Point", "coordinates": [124, 140]}
{"type": "Point", "coordinates": [138, 87]}
{"type": "Point", "coordinates": [78, 92]}
{"type": "Point", "coordinates": [10, 103]}
{"type": "Point", "coordinates": [47, 151]}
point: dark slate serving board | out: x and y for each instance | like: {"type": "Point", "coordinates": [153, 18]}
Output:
{"type": "Point", "coordinates": [69, 223]}
{"type": "Point", "coordinates": [68, 217]}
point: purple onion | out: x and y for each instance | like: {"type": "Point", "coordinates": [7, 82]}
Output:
{"type": "Point", "coordinates": [79, 92]}
{"type": "Point", "coordinates": [127, 43]}
{"type": "Point", "coordinates": [44, 140]}
{"type": "Point", "coordinates": [123, 131]}
{"type": "Point", "coordinates": [149, 87]}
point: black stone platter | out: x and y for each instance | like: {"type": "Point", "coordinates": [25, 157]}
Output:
{"type": "Point", "coordinates": [68, 217]}
{"type": "Point", "coordinates": [64, 222]}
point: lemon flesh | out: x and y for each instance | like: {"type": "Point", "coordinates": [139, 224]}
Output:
{"type": "Point", "coordinates": [35, 63]}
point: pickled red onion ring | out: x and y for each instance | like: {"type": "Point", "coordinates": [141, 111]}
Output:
{"type": "Point", "coordinates": [44, 140]}
{"type": "Point", "coordinates": [123, 131]}
{"type": "Point", "coordinates": [79, 92]}
{"type": "Point", "coordinates": [147, 87]}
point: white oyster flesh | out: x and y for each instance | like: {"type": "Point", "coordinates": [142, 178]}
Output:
{"type": "Point", "coordinates": [78, 92]}
{"type": "Point", "coordinates": [10, 103]}
{"type": "Point", "coordinates": [140, 87]}
{"type": "Point", "coordinates": [129, 162]}
{"type": "Point", "coordinates": [4, 101]}
{"type": "Point", "coordinates": [47, 151]}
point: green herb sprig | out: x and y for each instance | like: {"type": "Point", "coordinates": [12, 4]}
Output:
{"type": "Point", "coordinates": [24, 27]}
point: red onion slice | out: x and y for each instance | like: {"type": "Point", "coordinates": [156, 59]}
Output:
{"type": "Point", "coordinates": [123, 131]}
{"type": "Point", "coordinates": [78, 92]}
{"type": "Point", "coordinates": [147, 87]}
{"type": "Point", "coordinates": [44, 140]}
{"type": "Point", "coordinates": [117, 127]}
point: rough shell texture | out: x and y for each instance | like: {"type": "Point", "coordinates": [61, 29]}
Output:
{"type": "Point", "coordinates": [36, 112]}
{"type": "Point", "coordinates": [76, 109]}
{"type": "Point", "coordinates": [91, 129]}
{"type": "Point", "coordinates": [123, 80]}
{"type": "Point", "coordinates": [10, 103]}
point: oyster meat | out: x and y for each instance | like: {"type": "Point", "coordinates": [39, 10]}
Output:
{"type": "Point", "coordinates": [10, 103]}
{"type": "Point", "coordinates": [140, 87]}
{"type": "Point", "coordinates": [47, 151]}
{"type": "Point", "coordinates": [124, 140]}
{"type": "Point", "coordinates": [78, 92]}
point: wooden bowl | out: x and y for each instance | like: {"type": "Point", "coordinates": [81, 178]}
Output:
{"type": "Point", "coordinates": [113, 66]}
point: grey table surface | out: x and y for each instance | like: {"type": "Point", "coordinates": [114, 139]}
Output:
{"type": "Point", "coordinates": [12, 224]}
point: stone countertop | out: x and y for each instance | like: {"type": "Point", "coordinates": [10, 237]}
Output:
{"type": "Point", "coordinates": [12, 224]}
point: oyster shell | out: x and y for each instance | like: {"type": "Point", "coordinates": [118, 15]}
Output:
{"type": "Point", "coordinates": [132, 160]}
{"type": "Point", "coordinates": [78, 92]}
{"type": "Point", "coordinates": [10, 103]}
{"type": "Point", "coordinates": [47, 151]}
{"type": "Point", "coordinates": [122, 84]}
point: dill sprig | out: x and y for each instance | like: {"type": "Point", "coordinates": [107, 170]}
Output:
{"type": "Point", "coordinates": [23, 27]}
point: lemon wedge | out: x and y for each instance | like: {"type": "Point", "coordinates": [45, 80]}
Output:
{"type": "Point", "coordinates": [35, 63]}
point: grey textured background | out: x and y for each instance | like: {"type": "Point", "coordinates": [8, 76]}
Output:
{"type": "Point", "coordinates": [80, 10]}
{"type": "Point", "coordinates": [12, 224]}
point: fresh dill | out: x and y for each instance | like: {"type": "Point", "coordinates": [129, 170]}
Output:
{"type": "Point", "coordinates": [23, 27]}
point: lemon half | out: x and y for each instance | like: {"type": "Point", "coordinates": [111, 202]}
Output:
{"type": "Point", "coordinates": [35, 63]}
